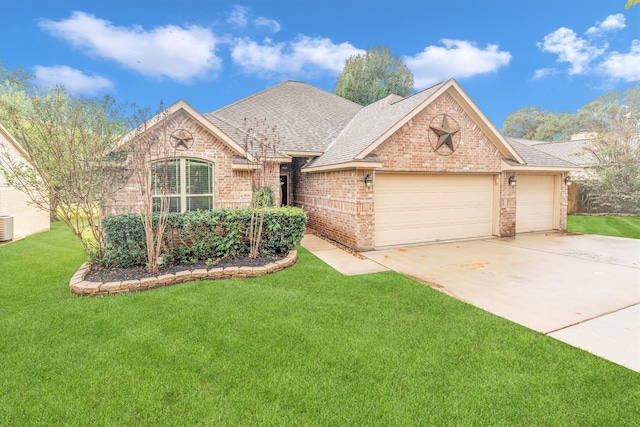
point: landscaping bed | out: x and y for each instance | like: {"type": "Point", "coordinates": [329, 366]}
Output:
{"type": "Point", "coordinates": [111, 274]}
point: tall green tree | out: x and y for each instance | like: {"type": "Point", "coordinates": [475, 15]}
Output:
{"type": "Point", "coordinates": [599, 115]}
{"type": "Point", "coordinates": [67, 138]}
{"type": "Point", "coordinates": [539, 125]}
{"type": "Point", "coordinates": [372, 76]}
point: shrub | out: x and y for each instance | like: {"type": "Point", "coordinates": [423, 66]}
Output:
{"type": "Point", "coordinates": [202, 235]}
{"type": "Point", "coordinates": [124, 241]}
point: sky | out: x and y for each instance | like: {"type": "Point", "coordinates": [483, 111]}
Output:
{"type": "Point", "coordinates": [506, 54]}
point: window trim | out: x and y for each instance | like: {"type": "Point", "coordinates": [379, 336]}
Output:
{"type": "Point", "coordinates": [183, 195]}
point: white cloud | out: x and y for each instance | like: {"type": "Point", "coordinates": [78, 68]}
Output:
{"type": "Point", "coordinates": [611, 23]}
{"type": "Point", "coordinates": [238, 16]}
{"type": "Point", "coordinates": [456, 58]}
{"type": "Point", "coordinates": [570, 48]}
{"type": "Point", "coordinates": [170, 51]}
{"type": "Point", "coordinates": [624, 66]}
{"type": "Point", "coordinates": [589, 53]}
{"type": "Point", "coordinates": [270, 24]}
{"type": "Point", "coordinates": [72, 79]}
{"type": "Point", "coordinates": [304, 55]}
{"type": "Point", "coordinates": [543, 72]}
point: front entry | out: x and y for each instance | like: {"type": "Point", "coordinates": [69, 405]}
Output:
{"type": "Point", "coordinates": [284, 190]}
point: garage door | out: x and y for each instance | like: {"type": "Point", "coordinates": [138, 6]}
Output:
{"type": "Point", "coordinates": [534, 203]}
{"type": "Point", "coordinates": [412, 208]}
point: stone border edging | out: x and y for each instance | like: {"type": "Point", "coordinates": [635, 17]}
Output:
{"type": "Point", "coordinates": [81, 287]}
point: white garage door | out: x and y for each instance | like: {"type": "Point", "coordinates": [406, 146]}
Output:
{"type": "Point", "coordinates": [412, 208]}
{"type": "Point", "coordinates": [534, 203]}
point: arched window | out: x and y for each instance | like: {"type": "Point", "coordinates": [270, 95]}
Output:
{"type": "Point", "coordinates": [186, 184]}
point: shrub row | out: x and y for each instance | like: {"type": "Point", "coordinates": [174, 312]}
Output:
{"type": "Point", "coordinates": [202, 235]}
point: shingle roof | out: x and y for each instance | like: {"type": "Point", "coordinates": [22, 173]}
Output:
{"type": "Point", "coordinates": [537, 158]}
{"type": "Point", "coordinates": [369, 124]}
{"type": "Point", "coordinates": [307, 118]}
{"type": "Point", "coordinates": [570, 151]}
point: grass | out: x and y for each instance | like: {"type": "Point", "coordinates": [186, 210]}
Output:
{"type": "Point", "coordinates": [305, 346]}
{"type": "Point", "coordinates": [619, 226]}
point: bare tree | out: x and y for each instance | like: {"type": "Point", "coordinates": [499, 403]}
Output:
{"type": "Point", "coordinates": [615, 186]}
{"type": "Point", "coordinates": [261, 142]}
{"type": "Point", "coordinates": [66, 138]}
{"type": "Point", "coordinates": [151, 160]}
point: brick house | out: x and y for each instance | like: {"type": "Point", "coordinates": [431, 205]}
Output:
{"type": "Point", "coordinates": [425, 168]}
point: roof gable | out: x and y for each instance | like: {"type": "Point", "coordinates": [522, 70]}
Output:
{"type": "Point", "coordinates": [376, 122]}
{"type": "Point", "coordinates": [181, 105]}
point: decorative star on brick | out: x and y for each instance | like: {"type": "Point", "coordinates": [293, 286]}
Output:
{"type": "Point", "coordinates": [445, 134]}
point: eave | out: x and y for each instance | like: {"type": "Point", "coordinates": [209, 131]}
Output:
{"type": "Point", "coordinates": [354, 164]}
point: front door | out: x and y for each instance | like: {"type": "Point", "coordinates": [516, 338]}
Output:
{"type": "Point", "coordinates": [284, 190]}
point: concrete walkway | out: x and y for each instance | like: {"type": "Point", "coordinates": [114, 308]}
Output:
{"type": "Point", "coordinates": [339, 259]}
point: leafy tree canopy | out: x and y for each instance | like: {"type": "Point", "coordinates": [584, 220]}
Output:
{"type": "Point", "coordinates": [599, 115]}
{"type": "Point", "coordinates": [372, 76]}
{"type": "Point", "coordinates": [66, 138]}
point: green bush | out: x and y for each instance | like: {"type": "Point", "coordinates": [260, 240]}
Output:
{"type": "Point", "coordinates": [124, 241]}
{"type": "Point", "coordinates": [202, 235]}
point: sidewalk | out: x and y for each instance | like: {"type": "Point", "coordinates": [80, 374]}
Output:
{"type": "Point", "coordinates": [339, 259]}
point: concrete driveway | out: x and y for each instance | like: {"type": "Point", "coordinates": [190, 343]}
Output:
{"type": "Point", "coordinates": [581, 289]}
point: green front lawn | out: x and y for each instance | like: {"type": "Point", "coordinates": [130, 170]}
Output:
{"type": "Point", "coordinates": [305, 346]}
{"type": "Point", "coordinates": [619, 226]}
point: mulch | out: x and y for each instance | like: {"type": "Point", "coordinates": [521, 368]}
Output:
{"type": "Point", "coordinates": [115, 274]}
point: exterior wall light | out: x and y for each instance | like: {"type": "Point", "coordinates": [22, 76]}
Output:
{"type": "Point", "coordinates": [368, 180]}
{"type": "Point", "coordinates": [512, 180]}
{"type": "Point", "coordinates": [567, 180]}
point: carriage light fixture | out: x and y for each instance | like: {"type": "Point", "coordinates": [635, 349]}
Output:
{"type": "Point", "coordinates": [512, 180]}
{"type": "Point", "coordinates": [368, 180]}
{"type": "Point", "coordinates": [567, 180]}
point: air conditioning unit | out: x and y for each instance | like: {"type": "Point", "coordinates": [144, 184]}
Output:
{"type": "Point", "coordinates": [6, 228]}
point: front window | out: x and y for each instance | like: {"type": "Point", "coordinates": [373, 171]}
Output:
{"type": "Point", "coordinates": [186, 184]}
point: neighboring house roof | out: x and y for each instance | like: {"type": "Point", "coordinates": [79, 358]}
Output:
{"type": "Point", "coordinates": [570, 151]}
{"type": "Point", "coordinates": [4, 133]}
{"type": "Point", "coordinates": [306, 118]}
{"type": "Point", "coordinates": [537, 158]}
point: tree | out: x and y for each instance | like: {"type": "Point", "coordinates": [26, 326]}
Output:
{"type": "Point", "coordinates": [66, 138]}
{"type": "Point", "coordinates": [261, 142]}
{"type": "Point", "coordinates": [598, 115]}
{"type": "Point", "coordinates": [616, 183]}
{"type": "Point", "coordinates": [631, 3]}
{"type": "Point", "coordinates": [150, 156]}
{"type": "Point", "coordinates": [372, 76]}
{"type": "Point", "coordinates": [537, 124]}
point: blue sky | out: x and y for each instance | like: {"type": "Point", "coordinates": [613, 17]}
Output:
{"type": "Point", "coordinates": [507, 54]}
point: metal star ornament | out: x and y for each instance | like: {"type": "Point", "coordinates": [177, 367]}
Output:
{"type": "Point", "coordinates": [445, 134]}
{"type": "Point", "coordinates": [183, 139]}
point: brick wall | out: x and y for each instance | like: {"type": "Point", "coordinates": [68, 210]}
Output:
{"type": "Point", "coordinates": [507, 220]}
{"type": "Point", "coordinates": [409, 148]}
{"type": "Point", "coordinates": [564, 202]}
{"type": "Point", "coordinates": [232, 188]}
{"type": "Point", "coordinates": [338, 204]}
